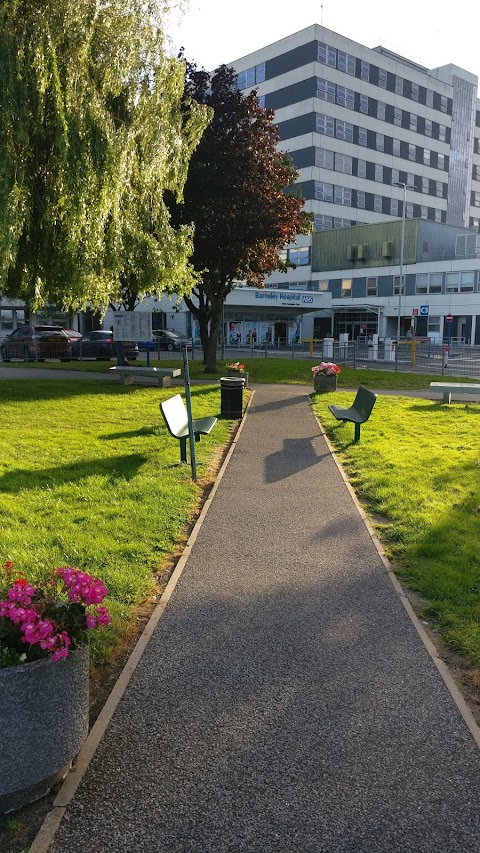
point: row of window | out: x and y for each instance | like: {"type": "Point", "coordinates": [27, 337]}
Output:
{"type": "Point", "coordinates": [348, 63]}
{"type": "Point", "coordinates": [300, 256]}
{"type": "Point", "coordinates": [352, 100]}
{"type": "Point", "coordinates": [425, 283]}
{"type": "Point", "coordinates": [328, 126]}
{"type": "Point", "coordinates": [251, 76]}
{"type": "Point", "coordinates": [325, 158]}
{"type": "Point", "coordinates": [335, 194]}
{"type": "Point", "coordinates": [326, 223]}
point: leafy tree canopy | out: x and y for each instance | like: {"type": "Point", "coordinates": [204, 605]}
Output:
{"type": "Point", "coordinates": [237, 196]}
{"type": "Point", "coordinates": [94, 128]}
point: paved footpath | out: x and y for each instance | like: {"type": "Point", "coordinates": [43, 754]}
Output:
{"type": "Point", "coordinates": [285, 703]}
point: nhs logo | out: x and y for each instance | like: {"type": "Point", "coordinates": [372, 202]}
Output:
{"type": "Point", "coordinates": [307, 300]}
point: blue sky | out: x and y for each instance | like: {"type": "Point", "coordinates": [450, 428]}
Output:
{"type": "Point", "coordinates": [430, 33]}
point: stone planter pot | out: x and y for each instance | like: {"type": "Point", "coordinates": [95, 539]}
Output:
{"type": "Point", "coordinates": [323, 384]}
{"type": "Point", "coordinates": [44, 714]}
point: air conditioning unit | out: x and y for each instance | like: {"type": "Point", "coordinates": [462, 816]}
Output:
{"type": "Point", "coordinates": [351, 253]}
{"type": "Point", "coordinates": [362, 251]}
{"type": "Point", "coordinates": [387, 249]}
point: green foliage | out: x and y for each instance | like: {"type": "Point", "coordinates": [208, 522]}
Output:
{"type": "Point", "coordinates": [91, 136]}
{"type": "Point", "coordinates": [416, 470]}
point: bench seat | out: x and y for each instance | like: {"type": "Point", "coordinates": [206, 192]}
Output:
{"type": "Point", "coordinates": [449, 388]}
{"type": "Point", "coordinates": [163, 375]}
{"type": "Point", "coordinates": [176, 418]}
{"type": "Point", "coordinates": [359, 412]}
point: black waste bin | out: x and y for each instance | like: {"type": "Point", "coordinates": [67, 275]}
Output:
{"type": "Point", "coordinates": [231, 396]}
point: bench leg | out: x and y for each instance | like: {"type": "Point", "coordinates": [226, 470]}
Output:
{"type": "Point", "coordinates": [165, 381]}
{"type": "Point", "coordinates": [183, 449]}
{"type": "Point", "coordinates": [357, 433]}
{"type": "Point", "coordinates": [126, 379]}
{"type": "Point", "coordinates": [447, 396]}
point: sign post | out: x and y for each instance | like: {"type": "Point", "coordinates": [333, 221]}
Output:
{"type": "Point", "coordinates": [191, 437]}
{"type": "Point", "coordinates": [449, 319]}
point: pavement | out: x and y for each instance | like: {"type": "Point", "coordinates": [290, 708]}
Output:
{"type": "Point", "coordinates": [284, 698]}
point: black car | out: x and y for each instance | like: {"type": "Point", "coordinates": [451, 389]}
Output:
{"type": "Point", "coordinates": [102, 346]}
{"type": "Point", "coordinates": [171, 340]}
{"type": "Point", "coordinates": [32, 343]}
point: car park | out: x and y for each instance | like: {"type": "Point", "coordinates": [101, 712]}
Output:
{"type": "Point", "coordinates": [102, 346]}
{"type": "Point", "coordinates": [36, 343]}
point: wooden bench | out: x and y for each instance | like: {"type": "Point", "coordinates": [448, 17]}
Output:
{"type": "Point", "coordinates": [163, 375]}
{"type": "Point", "coordinates": [176, 418]}
{"type": "Point", "coordinates": [359, 412]}
{"type": "Point", "coordinates": [449, 388]}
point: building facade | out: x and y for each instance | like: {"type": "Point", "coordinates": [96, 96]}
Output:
{"type": "Point", "coordinates": [357, 122]}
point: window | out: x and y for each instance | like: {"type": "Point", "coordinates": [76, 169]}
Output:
{"type": "Point", "coordinates": [344, 130]}
{"type": "Point", "coordinates": [435, 284]}
{"type": "Point", "coordinates": [371, 286]}
{"type": "Point", "coordinates": [365, 71]}
{"type": "Point", "coordinates": [413, 122]}
{"type": "Point", "coordinates": [396, 285]}
{"type": "Point", "coordinates": [346, 62]}
{"type": "Point", "coordinates": [394, 207]}
{"type": "Point", "coordinates": [324, 158]}
{"type": "Point", "coordinates": [441, 162]}
{"type": "Point", "coordinates": [397, 116]}
{"type": "Point", "coordinates": [395, 176]}
{"type": "Point", "coordinates": [380, 142]}
{"type": "Point", "coordinates": [452, 282]}
{"type": "Point", "coordinates": [377, 203]}
{"type": "Point", "coordinates": [379, 172]}
{"type": "Point", "coordinates": [341, 223]}
{"type": "Point", "coordinates": [415, 91]}
{"type": "Point", "coordinates": [409, 210]}
{"type": "Point", "coordinates": [381, 110]}
{"type": "Point", "coordinates": [346, 286]}
{"type": "Point", "coordinates": [476, 199]}
{"type": "Point", "coordinates": [282, 255]}
{"type": "Point", "coordinates": [323, 223]}
{"type": "Point", "coordinates": [327, 55]}
{"type": "Point", "coordinates": [251, 76]}
{"type": "Point", "coordinates": [423, 212]}
{"type": "Point", "coordinates": [399, 85]}
{"type": "Point", "coordinates": [323, 191]}
{"type": "Point", "coordinates": [433, 325]}
{"type": "Point", "coordinates": [443, 103]}
{"type": "Point", "coordinates": [345, 97]}
{"type": "Point", "coordinates": [428, 127]}
{"type": "Point", "coordinates": [396, 148]}
{"type": "Point", "coordinates": [426, 156]}
{"type": "Point", "coordinates": [382, 78]}
{"type": "Point", "coordinates": [343, 195]}
{"type": "Point", "coordinates": [323, 286]}
{"type": "Point", "coordinates": [325, 90]}
{"type": "Point", "coordinates": [425, 186]}
{"type": "Point", "coordinates": [474, 223]}
{"type": "Point", "coordinates": [364, 104]}
{"type": "Point", "coordinates": [412, 151]}
{"type": "Point", "coordinates": [442, 133]}
{"type": "Point", "coordinates": [261, 101]}
{"type": "Point", "coordinates": [476, 173]}
{"type": "Point", "coordinates": [325, 125]}
{"type": "Point", "coordinates": [300, 256]}
{"type": "Point", "coordinates": [362, 169]}
{"type": "Point", "coordinates": [421, 283]}
{"type": "Point", "coordinates": [344, 163]}
{"type": "Point", "coordinates": [362, 136]}
{"type": "Point", "coordinates": [411, 179]}
{"type": "Point", "coordinates": [439, 190]}
{"type": "Point", "coordinates": [467, 280]}
{"type": "Point", "coordinates": [438, 216]}
{"type": "Point", "coordinates": [361, 199]}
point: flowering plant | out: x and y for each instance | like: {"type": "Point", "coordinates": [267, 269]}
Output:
{"type": "Point", "coordinates": [235, 365]}
{"type": "Point", "coordinates": [326, 368]}
{"type": "Point", "coordinates": [49, 619]}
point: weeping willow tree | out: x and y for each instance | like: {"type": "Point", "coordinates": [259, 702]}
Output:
{"type": "Point", "coordinates": [92, 134]}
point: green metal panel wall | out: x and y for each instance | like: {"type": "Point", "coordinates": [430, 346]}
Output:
{"type": "Point", "coordinates": [330, 249]}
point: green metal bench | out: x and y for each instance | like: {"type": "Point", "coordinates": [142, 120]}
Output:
{"type": "Point", "coordinates": [176, 418]}
{"type": "Point", "coordinates": [359, 412]}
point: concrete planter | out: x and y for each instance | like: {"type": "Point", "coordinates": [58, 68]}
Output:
{"type": "Point", "coordinates": [323, 384]}
{"type": "Point", "coordinates": [44, 714]}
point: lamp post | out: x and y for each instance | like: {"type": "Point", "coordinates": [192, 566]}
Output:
{"type": "Point", "coordinates": [402, 245]}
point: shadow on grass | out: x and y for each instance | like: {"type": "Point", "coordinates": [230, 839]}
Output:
{"type": "Point", "coordinates": [115, 468]}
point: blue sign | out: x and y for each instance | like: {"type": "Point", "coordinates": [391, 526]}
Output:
{"type": "Point", "coordinates": [424, 310]}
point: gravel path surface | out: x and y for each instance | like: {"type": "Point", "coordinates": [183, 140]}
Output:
{"type": "Point", "coordinates": [285, 703]}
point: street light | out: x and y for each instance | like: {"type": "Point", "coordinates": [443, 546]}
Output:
{"type": "Point", "coordinates": [402, 244]}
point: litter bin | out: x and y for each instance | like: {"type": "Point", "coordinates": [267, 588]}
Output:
{"type": "Point", "coordinates": [231, 396]}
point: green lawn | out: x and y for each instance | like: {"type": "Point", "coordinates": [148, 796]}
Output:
{"type": "Point", "coordinates": [416, 469]}
{"type": "Point", "coordinates": [89, 477]}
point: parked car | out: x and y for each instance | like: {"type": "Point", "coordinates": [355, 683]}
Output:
{"type": "Point", "coordinates": [102, 346]}
{"type": "Point", "coordinates": [171, 340]}
{"type": "Point", "coordinates": [32, 343]}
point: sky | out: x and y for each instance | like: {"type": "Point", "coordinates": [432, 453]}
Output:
{"type": "Point", "coordinates": [429, 32]}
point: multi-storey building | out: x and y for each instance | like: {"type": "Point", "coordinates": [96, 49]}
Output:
{"type": "Point", "coordinates": [359, 123]}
